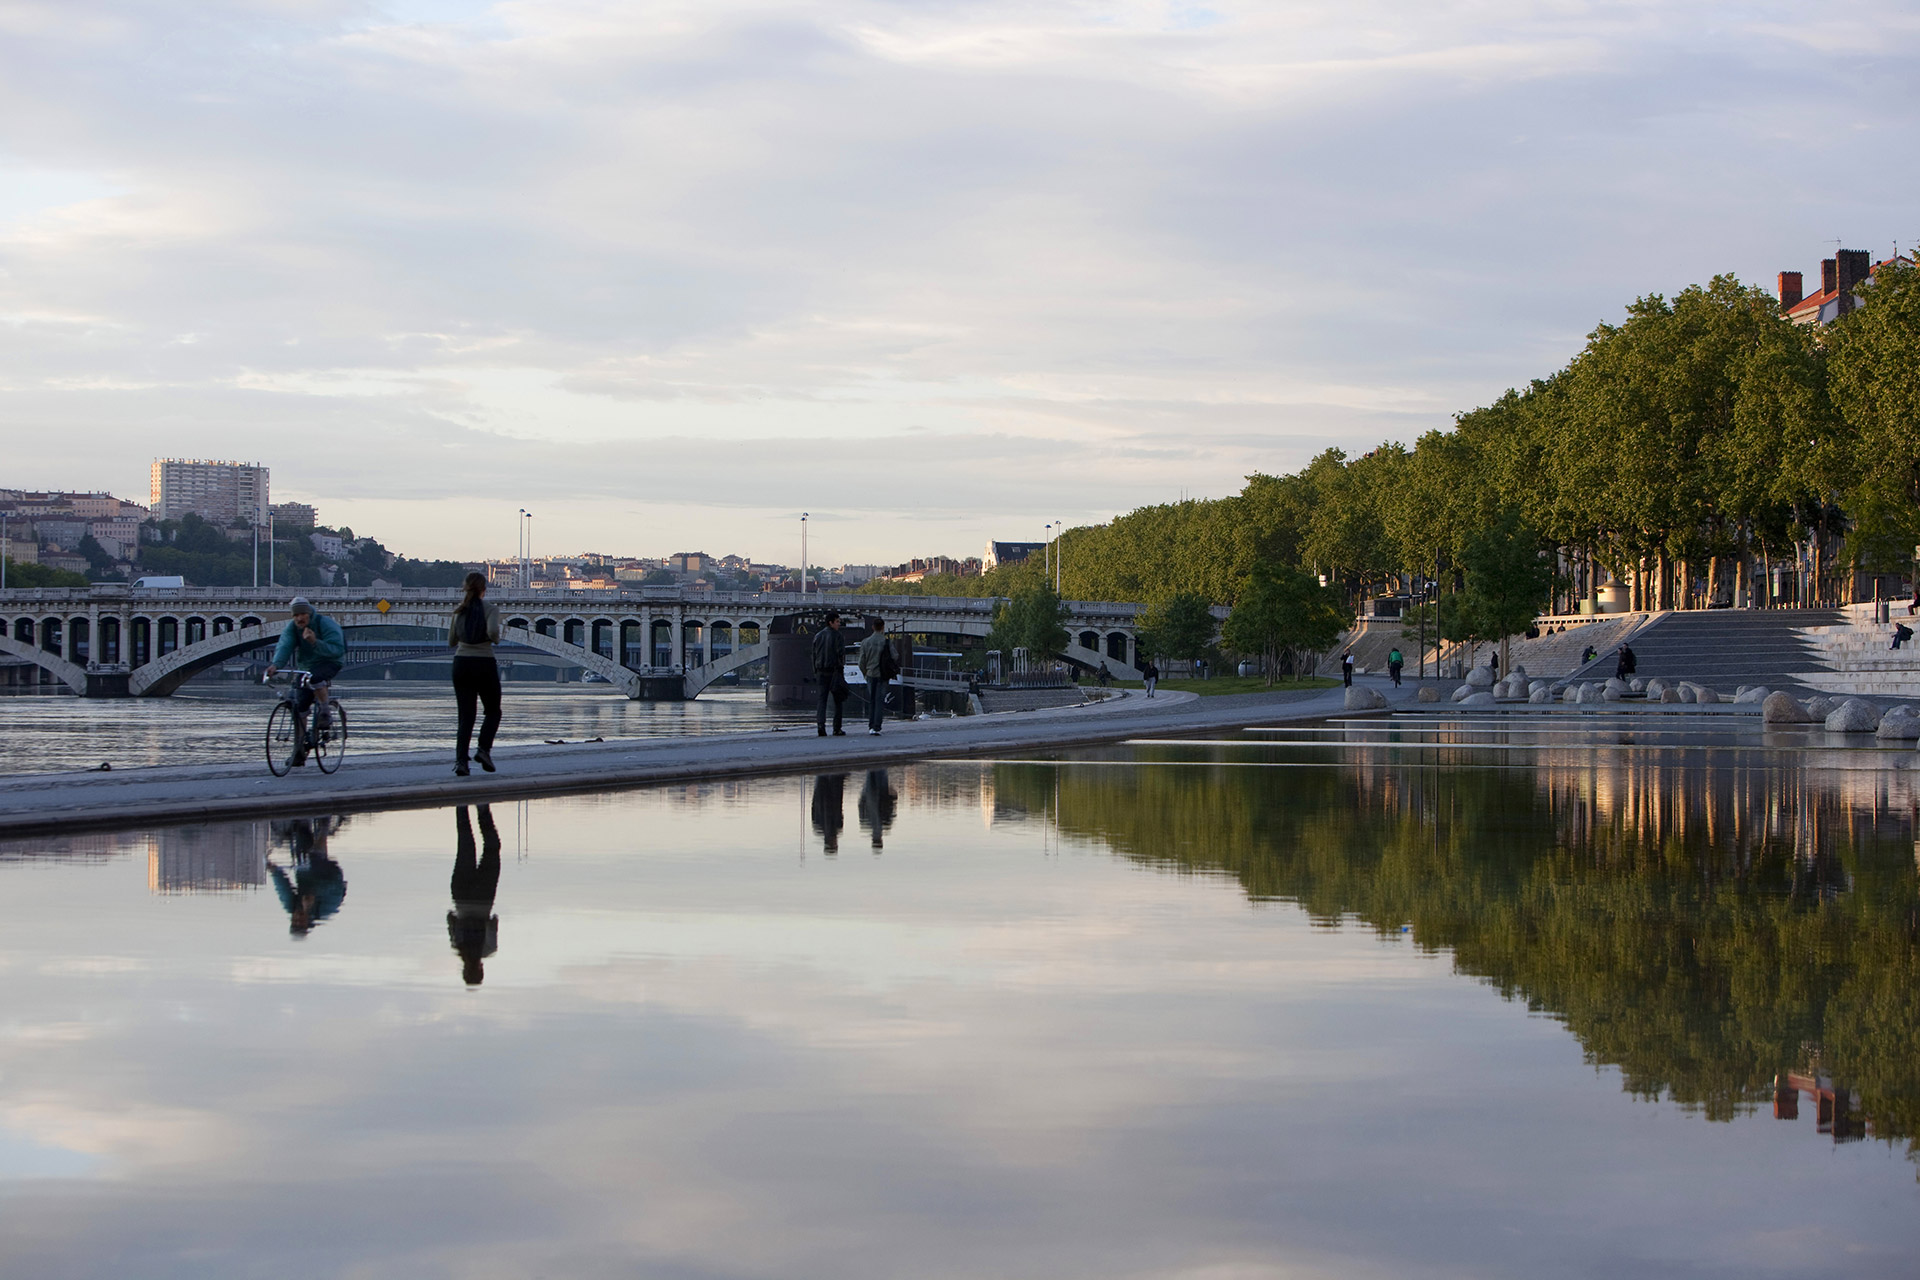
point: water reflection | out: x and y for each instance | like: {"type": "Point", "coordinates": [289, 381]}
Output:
{"type": "Point", "coordinates": [829, 809]}
{"type": "Point", "coordinates": [316, 886]}
{"type": "Point", "coordinates": [471, 926]}
{"type": "Point", "coordinates": [877, 803]}
{"type": "Point", "coordinates": [1707, 924]}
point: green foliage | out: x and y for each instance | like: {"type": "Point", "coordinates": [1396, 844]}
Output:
{"type": "Point", "coordinates": [40, 575]}
{"type": "Point", "coordinates": [1284, 611]}
{"type": "Point", "coordinates": [1508, 578]}
{"type": "Point", "coordinates": [1034, 620]}
{"type": "Point", "coordinates": [1180, 626]}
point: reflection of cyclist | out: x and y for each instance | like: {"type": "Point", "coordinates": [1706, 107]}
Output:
{"type": "Point", "coordinates": [471, 926]}
{"type": "Point", "coordinates": [317, 886]}
{"type": "Point", "coordinates": [315, 644]}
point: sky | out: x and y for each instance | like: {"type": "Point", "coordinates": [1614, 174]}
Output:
{"type": "Point", "coordinates": [669, 275]}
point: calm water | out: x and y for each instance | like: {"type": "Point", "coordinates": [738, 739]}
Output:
{"type": "Point", "coordinates": [227, 721]}
{"type": "Point", "coordinates": [1237, 1010]}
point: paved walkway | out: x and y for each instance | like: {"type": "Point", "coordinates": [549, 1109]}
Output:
{"type": "Point", "coordinates": [195, 793]}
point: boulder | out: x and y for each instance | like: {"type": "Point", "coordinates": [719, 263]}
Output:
{"type": "Point", "coordinates": [1519, 672]}
{"type": "Point", "coordinates": [1819, 708]}
{"type": "Point", "coordinates": [1655, 688]}
{"type": "Point", "coordinates": [1783, 708]}
{"type": "Point", "coordinates": [1590, 693]}
{"type": "Point", "coordinates": [1484, 698]}
{"type": "Point", "coordinates": [1481, 677]}
{"type": "Point", "coordinates": [1537, 685]}
{"type": "Point", "coordinates": [1616, 686]}
{"type": "Point", "coordinates": [1685, 690]}
{"type": "Point", "coordinates": [1668, 695]}
{"type": "Point", "coordinates": [1541, 693]}
{"type": "Point", "coordinates": [1428, 693]}
{"type": "Point", "coordinates": [1460, 694]}
{"type": "Point", "coordinates": [1570, 694]}
{"type": "Point", "coordinates": [1610, 694]}
{"type": "Point", "coordinates": [1362, 699]}
{"type": "Point", "coordinates": [1709, 697]}
{"type": "Point", "coordinates": [1899, 723]}
{"type": "Point", "coordinates": [1753, 693]}
{"type": "Point", "coordinates": [1740, 690]}
{"type": "Point", "coordinates": [1637, 685]}
{"type": "Point", "coordinates": [1855, 715]}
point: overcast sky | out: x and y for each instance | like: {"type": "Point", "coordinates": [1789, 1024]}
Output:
{"type": "Point", "coordinates": [669, 275]}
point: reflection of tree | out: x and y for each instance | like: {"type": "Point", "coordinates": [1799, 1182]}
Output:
{"type": "Point", "coordinates": [1702, 928]}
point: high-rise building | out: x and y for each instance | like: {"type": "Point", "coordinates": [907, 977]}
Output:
{"type": "Point", "coordinates": [221, 492]}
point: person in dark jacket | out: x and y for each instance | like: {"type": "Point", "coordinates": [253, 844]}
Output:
{"type": "Point", "coordinates": [829, 667]}
{"type": "Point", "coordinates": [1623, 669]}
{"type": "Point", "coordinates": [474, 631]}
{"type": "Point", "coordinates": [1346, 668]}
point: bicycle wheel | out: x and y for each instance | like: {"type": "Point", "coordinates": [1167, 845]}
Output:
{"type": "Point", "coordinates": [330, 743]}
{"type": "Point", "coordinates": [282, 739]}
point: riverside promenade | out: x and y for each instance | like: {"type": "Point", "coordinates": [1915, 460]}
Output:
{"type": "Point", "coordinates": [38, 803]}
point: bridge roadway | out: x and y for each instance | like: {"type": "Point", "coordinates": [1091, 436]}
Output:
{"type": "Point", "coordinates": [113, 640]}
{"type": "Point", "coordinates": [68, 802]}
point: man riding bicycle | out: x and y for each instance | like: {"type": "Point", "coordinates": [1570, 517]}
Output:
{"type": "Point", "coordinates": [315, 644]}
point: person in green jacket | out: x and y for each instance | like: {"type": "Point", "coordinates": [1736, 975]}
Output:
{"type": "Point", "coordinates": [877, 665]}
{"type": "Point", "coordinates": [313, 643]}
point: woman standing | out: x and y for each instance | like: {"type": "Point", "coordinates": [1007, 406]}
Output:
{"type": "Point", "coordinates": [472, 635]}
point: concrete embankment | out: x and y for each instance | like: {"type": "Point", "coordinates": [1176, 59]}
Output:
{"type": "Point", "coordinates": [199, 793]}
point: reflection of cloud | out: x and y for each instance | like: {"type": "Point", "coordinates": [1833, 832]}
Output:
{"type": "Point", "coordinates": [563, 237]}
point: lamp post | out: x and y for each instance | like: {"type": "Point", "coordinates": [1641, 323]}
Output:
{"type": "Point", "coordinates": [1046, 554]}
{"type": "Point", "coordinates": [803, 556]}
{"type": "Point", "coordinates": [1059, 557]}
{"type": "Point", "coordinates": [6, 549]}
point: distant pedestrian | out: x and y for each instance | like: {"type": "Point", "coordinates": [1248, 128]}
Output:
{"type": "Point", "coordinates": [829, 667]}
{"type": "Point", "coordinates": [1106, 676]}
{"type": "Point", "coordinates": [1346, 668]}
{"type": "Point", "coordinates": [1913, 605]}
{"type": "Point", "coordinates": [1901, 634]}
{"type": "Point", "coordinates": [877, 666]}
{"type": "Point", "coordinates": [1395, 663]}
{"type": "Point", "coordinates": [1587, 655]}
{"type": "Point", "coordinates": [1493, 663]}
{"type": "Point", "coordinates": [1628, 661]}
{"type": "Point", "coordinates": [474, 631]}
{"type": "Point", "coordinates": [1149, 675]}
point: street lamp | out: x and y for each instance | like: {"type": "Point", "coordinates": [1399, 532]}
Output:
{"type": "Point", "coordinates": [6, 550]}
{"type": "Point", "coordinates": [1059, 556]}
{"type": "Point", "coordinates": [803, 556]}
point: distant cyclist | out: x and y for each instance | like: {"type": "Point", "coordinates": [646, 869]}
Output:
{"type": "Point", "coordinates": [313, 643]}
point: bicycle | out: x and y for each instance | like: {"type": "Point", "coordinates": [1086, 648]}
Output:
{"type": "Point", "coordinates": [287, 724]}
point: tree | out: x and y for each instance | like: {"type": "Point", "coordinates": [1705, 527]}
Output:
{"type": "Point", "coordinates": [1284, 610]}
{"type": "Point", "coordinates": [1508, 579]}
{"type": "Point", "coordinates": [1033, 620]}
{"type": "Point", "coordinates": [1179, 626]}
{"type": "Point", "coordinates": [40, 575]}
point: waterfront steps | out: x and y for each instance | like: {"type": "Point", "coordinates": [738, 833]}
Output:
{"type": "Point", "coordinates": [1726, 648]}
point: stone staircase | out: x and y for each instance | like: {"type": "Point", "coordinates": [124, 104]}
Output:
{"type": "Point", "coordinates": [1853, 656]}
{"type": "Point", "coordinates": [1726, 648]}
{"type": "Point", "coordinates": [992, 700]}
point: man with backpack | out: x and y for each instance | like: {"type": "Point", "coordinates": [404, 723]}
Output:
{"type": "Point", "coordinates": [877, 666]}
{"type": "Point", "coordinates": [829, 667]}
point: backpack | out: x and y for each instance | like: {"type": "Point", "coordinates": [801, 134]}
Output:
{"type": "Point", "coordinates": [473, 624]}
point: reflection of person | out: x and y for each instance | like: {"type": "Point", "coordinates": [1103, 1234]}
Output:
{"type": "Point", "coordinates": [877, 803]}
{"type": "Point", "coordinates": [317, 886]}
{"type": "Point", "coordinates": [472, 927]}
{"type": "Point", "coordinates": [829, 812]}
{"type": "Point", "coordinates": [829, 653]}
{"type": "Point", "coordinates": [476, 674]}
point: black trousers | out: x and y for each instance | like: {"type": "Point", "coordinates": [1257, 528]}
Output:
{"type": "Point", "coordinates": [476, 679]}
{"type": "Point", "coordinates": [833, 689]}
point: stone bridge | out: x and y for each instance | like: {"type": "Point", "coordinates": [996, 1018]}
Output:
{"type": "Point", "coordinates": [113, 640]}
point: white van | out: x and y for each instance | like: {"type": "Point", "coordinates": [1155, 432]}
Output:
{"type": "Point", "coordinates": [159, 584]}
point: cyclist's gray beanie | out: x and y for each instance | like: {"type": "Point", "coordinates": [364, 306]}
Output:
{"type": "Point", "coordinates": [300, 605]}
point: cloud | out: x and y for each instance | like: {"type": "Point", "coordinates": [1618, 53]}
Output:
{"type": "Point", "coordinates": [579, 245]}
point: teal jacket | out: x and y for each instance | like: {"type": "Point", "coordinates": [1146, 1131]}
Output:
{"type": "Point", "coordinates": [329, 643]}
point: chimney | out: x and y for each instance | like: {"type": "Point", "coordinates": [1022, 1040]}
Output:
{"type": "Point", "coordinates": [1829, 275]}
{"type": "Point", "coordinates": [1790, 294]}
{"type": "Point", "coordinates": [1855, 265]}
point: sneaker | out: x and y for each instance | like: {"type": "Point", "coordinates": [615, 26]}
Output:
{"type": "Point", "coordinates": [484, 759]}
{"type": "Point", "coordinates": [873, 733]}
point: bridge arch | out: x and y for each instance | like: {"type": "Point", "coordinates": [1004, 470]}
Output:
{"type": "Point", "coordinates": [699, 678]}
{"type": "Point", "coordinates": [628, 682]}
{"type": "Point", "coordinates": [167, 671]}
{"type": "Point", "coordinates": [69, 674]}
